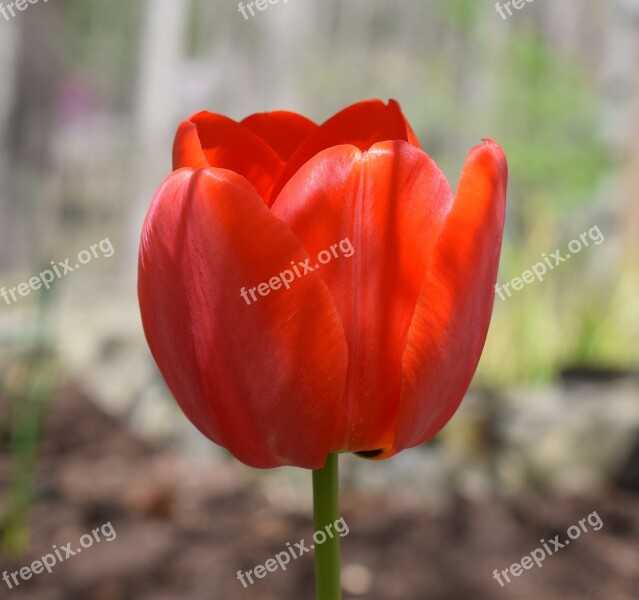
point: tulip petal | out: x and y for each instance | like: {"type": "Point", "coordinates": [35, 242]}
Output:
{"type": "Point", "coordinates": [451, 319]}
{"type": "Point", "coordinates": [263, 379]}
{"type": "Point", "coordinates": [362, 125]}
{"type": "Point", "coordinates": [212, 140]}
{"type": "Point", "coordinates": [282, 130]}
{"type": "Point", "coordinates": [390, 202]}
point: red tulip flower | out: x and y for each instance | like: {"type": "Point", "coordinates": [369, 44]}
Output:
{"type": "Point", "coordinates": [372, 347]}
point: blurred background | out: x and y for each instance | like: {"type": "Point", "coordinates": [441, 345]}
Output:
{"type": "Point", "coordinates": [91, 93]}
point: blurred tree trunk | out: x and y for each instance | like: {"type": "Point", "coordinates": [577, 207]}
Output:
{"type": "Point", "coordinates": [565, 26]}
{"type": "Point", "coordinates": [630, 215]}
{"type": "Point", "coordinates": [160, 61]}
{"type": "Point", "coordinates": [620, 70]}
{"type": "Point", "coordinates": [630, 218]}
{"type": "Point", "coordinates": [8, 66]}
{"type": "Point", "coordinates": [27, 137]}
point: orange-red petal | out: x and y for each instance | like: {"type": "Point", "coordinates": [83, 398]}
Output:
{"type": "Point", "coordinates": [451, 319]}
{"type": "Point", "coordinates": [282, 130]}
{"type": "Point", "coordinates": [263, 379]}
{"type": "Point", "coordinates": [212, 140]}
{"type": "Point", "coordinates": [390, 202]}
{"type": "Point", "coordinates": [362, 124]}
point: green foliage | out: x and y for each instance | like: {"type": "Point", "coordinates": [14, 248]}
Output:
{"type": "Point", "coordinates": [547, 119]}
{"type": "Point", "coordinates": [102, 39]}
{"type": "Point", "coordinates": [28, 385]}
{"type": "Point", "coordinates": [574, 317]}
{"type": "Point", "coordinates": [460, 14]}
{"type": "Point", "coordinates": [606, 332]}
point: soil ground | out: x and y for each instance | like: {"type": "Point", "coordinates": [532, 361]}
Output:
{"type": "Point", "coordinates": [184, 529]}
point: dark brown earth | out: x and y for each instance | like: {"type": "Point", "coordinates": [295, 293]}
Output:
{"type": "Point", "coordinates": [185, 528]}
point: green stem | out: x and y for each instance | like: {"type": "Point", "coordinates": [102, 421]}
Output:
{"type": "Point", "coordinates": [326, 512]}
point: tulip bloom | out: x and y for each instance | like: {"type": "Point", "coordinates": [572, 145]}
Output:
{"type": "Point", "coordinates": [369, 354]}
